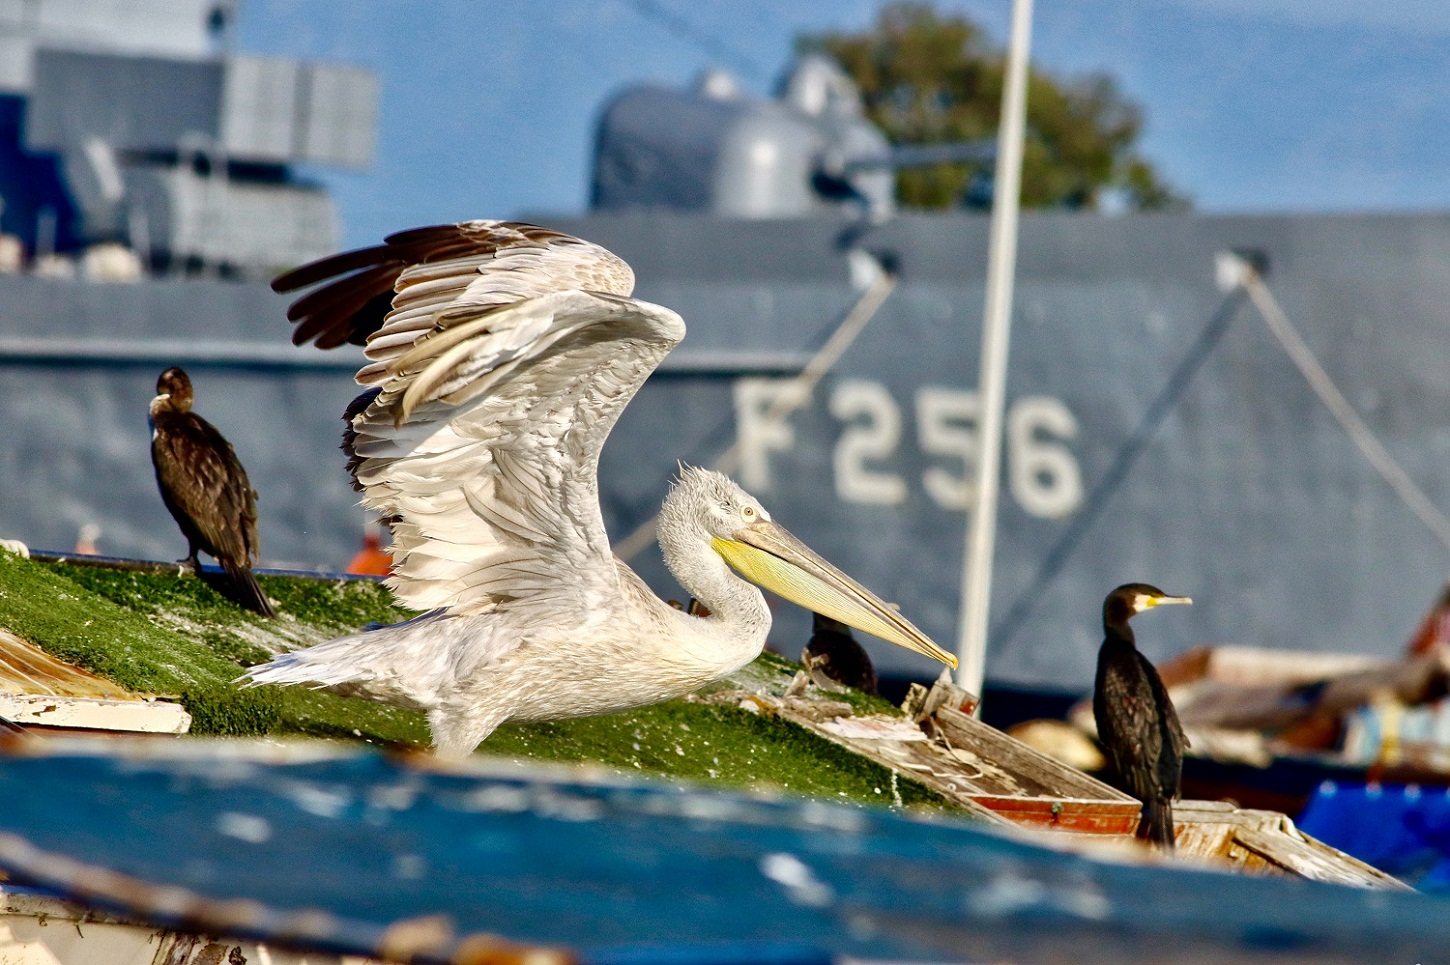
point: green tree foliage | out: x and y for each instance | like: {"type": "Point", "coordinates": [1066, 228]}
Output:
{"type": "Point", "coordinates": [928, 77]}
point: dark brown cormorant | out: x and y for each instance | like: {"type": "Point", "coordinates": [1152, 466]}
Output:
{"type": "Point", "coordinates": [205, 487]}
{"type": "Point", "coordinates": [1137, 724]}
{"type": "Point", "coordinates": [834, 654]}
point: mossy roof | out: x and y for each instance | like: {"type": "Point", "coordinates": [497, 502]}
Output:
{"type": "Point", "coordinates": [161, 632]}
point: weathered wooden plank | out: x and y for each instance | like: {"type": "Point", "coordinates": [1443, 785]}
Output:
{"type": "Point", "coordinates": [1007, 767]}
{"type": "Point", "coordinates": [911, 756]}
{"type": "Point", "coordinates": [1222, 812]}
{"type": "Point", "coordinates": [1066, 814]}
{"type": "Point", "coordinates": [976, 766]}
{"type": "Point", "coordinates": [1308, 858]}
{"type": "Point", "coordinates": [26, 669]}
{"type": "Point", "coordinates": [1210, 840]}
{"type": "Point", "coordinates": [1005, 781]}
{"type": "Point", "coordinates": [95, 714]}
{"type": "Point", "coordinates": [40, 691]}
{"type": "Point", "coordinates": [37, 929]}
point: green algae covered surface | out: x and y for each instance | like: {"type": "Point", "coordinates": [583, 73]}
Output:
{"type": "Point", "coordinates": [171, 634]}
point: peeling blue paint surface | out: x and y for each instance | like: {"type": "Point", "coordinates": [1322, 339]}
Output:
{"type": "Point", "coordinates": [337, 848]}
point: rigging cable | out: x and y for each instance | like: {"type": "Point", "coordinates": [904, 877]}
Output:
{"type": "Point", "coordinates": [1349, 420]}
{"type": "Point", "coordinates": [1052, 564]}
{"type": "Point", "coordinates": [795, 393]}
{"type": "Point", "coordinates": [1250, 284]}
{"type": "Point", "coordinates": [685, 30]}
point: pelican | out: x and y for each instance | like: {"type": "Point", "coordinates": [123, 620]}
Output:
{"type": "Point", "coordinates": [500, 356]}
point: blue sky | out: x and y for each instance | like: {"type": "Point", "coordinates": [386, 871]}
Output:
{"type": "Point", "coordinates": [488, 108]}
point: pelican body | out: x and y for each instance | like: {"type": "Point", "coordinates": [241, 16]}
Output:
{"type": "Point", "coordinates": [1137, 724]}
{"type": "Point", "coordinates": [205, 488]}
{"type": "Point", "coordinates": [500, 356]}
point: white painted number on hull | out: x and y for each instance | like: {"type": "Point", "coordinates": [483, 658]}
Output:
{"type": "Point", "coordinates": [1042, 473]}
{"type": "Point", "coordinates": [871, 428]}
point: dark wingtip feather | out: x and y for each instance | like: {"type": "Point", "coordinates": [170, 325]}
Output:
{"type": "Point", "coordinates": [330, 267]}
{"type": "Point", "coordinates": [349, 434]}
{"type": "Point", "coordinates": [346, 311]}
{"type": "Point", "coordinates": [360, 286]}
{"type": "Point", "coordinates": [429, 234]}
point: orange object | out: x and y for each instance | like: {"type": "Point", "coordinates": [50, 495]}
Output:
{"type": "Point", "coordinates": [372, 559]}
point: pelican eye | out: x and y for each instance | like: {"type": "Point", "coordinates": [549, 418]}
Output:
{"type": "Point", "coordinates": [747, 511]}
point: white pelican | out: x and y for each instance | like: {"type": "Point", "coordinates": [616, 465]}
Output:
{"type": "Point", "coordinates": [507, 355]}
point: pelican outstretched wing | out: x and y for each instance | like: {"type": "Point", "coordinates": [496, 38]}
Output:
{"type": "Point", "coordinates": [498, 378]}
{"type": "Point", "coordinates": [384, 297]}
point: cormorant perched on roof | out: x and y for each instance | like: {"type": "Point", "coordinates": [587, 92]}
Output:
{"type": "Point", "coordinates": [1137, 724]}
{"type": "Point", "coordinates": [834, 654]}
{"type": "Point", "coordinates": [205, 487]}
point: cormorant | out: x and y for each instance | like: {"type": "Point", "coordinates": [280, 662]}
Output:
{"type": "Point", "coordinates": [1137, 724]}
{"type": "Point", "coordinates": [834, 654]}
{"type": "Point", "coordinates": [205, 487]}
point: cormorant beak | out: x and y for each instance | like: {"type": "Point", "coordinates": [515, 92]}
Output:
{"type": "Point", "coordinates": [1164, 600]}
{"type": "Point", "coordinates": [765, 553]}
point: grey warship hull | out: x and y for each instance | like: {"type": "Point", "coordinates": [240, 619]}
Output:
{"type": "Point", "coordinates": [1233, 484]}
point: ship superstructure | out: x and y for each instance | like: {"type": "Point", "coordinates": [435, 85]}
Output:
{"type": "Point", "coordinates": [133, 124]}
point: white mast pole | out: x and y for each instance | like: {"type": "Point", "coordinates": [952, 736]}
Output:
{"type": "Point", "coordinates": [996, 333]}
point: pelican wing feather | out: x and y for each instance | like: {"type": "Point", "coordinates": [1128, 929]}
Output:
{"type": "Point", "coordinates": [482, 448]}
{"type": "Point", "coordinates": [500, 355]}
{"type": "Point", "coordinates": [387, 296]}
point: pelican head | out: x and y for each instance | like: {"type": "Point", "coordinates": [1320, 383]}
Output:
{"type": "Point", "coordinates": [717, 512]}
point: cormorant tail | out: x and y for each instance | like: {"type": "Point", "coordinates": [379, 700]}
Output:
{"type": "Point", "coordinates": [1156, 824]}
{"type": "Point", "coordinates": [248, 593]}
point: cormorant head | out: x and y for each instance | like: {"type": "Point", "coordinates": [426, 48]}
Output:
{"type": "Point", "coordinates": [1132, 598]}
{"type": "Point", "coordinates": [173, 391]}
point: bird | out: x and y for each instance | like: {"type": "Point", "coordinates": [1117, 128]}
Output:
{"type": "Point", "coordinates": [1137, 724]}
{"type": "Point", "coordinates": [833, 655]}
{"type": "Point", "coordinates": [205, 488]}
{"type": "Point", "coordinates": [500, 355]}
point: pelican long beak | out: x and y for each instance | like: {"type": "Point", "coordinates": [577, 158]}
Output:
{"type": "Point", "coordinates": [765, 553]}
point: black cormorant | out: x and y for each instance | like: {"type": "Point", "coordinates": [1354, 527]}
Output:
{"type": "Point", "coordinates": [834, 654]}
{"type": "Point", "coordinates": [205, 487]}
{"type": "Point", "coordinates": [1137, 724]}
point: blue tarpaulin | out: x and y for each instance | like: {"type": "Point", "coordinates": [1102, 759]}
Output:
{"type": "Point", "coordinates": [1401, 829]}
